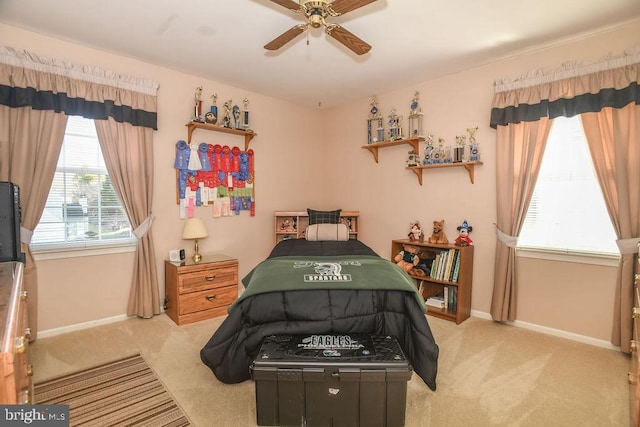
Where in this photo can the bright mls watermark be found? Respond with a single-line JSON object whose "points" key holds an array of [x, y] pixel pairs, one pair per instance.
{"points": [[34, 415]]}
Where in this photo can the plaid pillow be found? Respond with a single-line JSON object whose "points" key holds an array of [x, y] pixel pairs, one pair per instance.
{"points": [[324, 217]]}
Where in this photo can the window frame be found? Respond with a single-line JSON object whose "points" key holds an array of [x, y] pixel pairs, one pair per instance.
{"points": [[67, 249], [574, 255]]}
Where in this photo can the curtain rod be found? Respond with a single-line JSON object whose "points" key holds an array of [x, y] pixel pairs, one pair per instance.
{"points": [[568, 70], [31, 61]]}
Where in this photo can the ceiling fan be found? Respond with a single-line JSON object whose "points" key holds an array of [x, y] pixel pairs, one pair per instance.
{"points": [[316, 11]]}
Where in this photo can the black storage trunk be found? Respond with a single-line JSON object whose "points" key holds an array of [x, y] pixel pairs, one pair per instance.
{"points": [[10, 217], [331, 380]]}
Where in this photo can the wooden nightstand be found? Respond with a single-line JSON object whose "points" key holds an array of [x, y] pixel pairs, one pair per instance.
{"points": [[200, 291]]}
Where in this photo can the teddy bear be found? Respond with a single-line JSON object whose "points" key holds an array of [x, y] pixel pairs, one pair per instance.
{"points": [[408, 257], [463, 238], [438, 235], [416, 234]]}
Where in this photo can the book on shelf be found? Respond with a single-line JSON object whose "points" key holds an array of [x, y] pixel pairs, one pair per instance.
{"points": [[456, 261], [436, 300], [456, 269], [445, 265], [447, 291], [453, 298], [434, 266], [450, 258], [443, 261]]}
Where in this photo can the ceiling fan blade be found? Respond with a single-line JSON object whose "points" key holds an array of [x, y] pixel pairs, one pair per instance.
{"points": [[285, 37], [289, 4], [344, 6], [347, 38]]}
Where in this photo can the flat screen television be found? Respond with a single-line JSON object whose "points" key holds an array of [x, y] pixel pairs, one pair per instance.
{"points": [[10, 219]]}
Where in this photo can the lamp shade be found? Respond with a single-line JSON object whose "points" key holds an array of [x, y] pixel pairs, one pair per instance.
{"points": [[194, 229]]}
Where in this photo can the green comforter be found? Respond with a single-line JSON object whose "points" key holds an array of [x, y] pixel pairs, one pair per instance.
{"points": [[292, 273]]}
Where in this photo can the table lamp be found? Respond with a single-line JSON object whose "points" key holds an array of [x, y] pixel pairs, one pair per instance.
{"points": [[193, 230]]}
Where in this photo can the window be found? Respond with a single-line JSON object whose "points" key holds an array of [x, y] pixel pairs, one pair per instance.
{"points": [[567, 211], [82, 208]]}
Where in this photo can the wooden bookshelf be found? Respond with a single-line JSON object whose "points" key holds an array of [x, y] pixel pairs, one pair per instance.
{"points": [[431, 286]]}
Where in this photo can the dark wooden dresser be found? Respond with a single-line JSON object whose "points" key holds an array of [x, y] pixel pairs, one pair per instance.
{"points": [[16, 387]]}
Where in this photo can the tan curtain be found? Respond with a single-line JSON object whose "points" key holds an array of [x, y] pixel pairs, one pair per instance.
{"points": [[519, 149], [27, 79], [613, 136], [128, 154], [607, 96], [30, 142]]}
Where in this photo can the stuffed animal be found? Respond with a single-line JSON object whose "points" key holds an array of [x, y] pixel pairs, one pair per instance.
{"points": [[463, 238], [438, 235], [416, 233], [285, 225], [407, 258]]}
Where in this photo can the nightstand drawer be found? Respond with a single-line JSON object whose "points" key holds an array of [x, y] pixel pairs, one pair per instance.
{"points": [[208, 299], [199, 291], [207, 279]]}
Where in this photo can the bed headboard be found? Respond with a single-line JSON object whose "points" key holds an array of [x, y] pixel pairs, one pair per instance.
{"points": [[292, 224]]}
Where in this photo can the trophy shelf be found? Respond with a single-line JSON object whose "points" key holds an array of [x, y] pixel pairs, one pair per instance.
{"points": [[469, 166], [248, 136], [413, 142]]}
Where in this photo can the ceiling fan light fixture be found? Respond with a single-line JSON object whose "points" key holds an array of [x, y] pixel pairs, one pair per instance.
{"points": [[316, 20]]}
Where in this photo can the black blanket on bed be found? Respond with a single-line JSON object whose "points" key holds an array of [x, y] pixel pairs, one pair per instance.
{"points": [[233, 347]]}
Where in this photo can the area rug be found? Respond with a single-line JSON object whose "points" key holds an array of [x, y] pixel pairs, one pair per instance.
{"points": [[124, 392]]}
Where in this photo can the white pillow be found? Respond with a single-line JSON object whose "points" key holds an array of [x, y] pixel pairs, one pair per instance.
{"points": [[318, 232]]}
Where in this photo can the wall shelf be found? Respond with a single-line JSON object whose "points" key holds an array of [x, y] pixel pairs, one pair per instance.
{"points": [[248, 136], [413, 142], [469, 166]]}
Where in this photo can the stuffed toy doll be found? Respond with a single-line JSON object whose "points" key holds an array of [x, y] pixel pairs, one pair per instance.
{"points": [[463, 238], [407, 258], [416, 234]]}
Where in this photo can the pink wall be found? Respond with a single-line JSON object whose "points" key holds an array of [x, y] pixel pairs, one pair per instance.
{"points": [[292, 148], [568, 297], [72, 291]]}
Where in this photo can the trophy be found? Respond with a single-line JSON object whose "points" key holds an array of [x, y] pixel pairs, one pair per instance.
{"points": [[245, 115], [412, 160], [415, 118], [236, 117], [428, 151], [226, 119], [474, 150], [447, 154], [374, 120], [458, 154], [197, 105], [212, 116], [438, 153], [395, 126]]}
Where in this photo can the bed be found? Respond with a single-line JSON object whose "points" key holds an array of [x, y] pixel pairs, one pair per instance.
{"points": [[308, 287]]}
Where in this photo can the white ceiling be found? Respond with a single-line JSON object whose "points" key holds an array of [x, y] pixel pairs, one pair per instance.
{"points": [[413, 40]]}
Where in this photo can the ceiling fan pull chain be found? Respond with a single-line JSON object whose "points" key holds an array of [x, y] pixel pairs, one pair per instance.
{"points": [[307, 38]]}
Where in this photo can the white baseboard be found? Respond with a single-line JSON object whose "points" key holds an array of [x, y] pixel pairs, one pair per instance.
{"points": [[80, 326], [551, 331]]}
